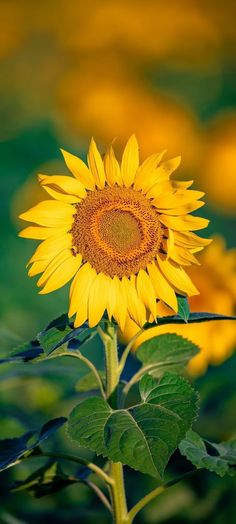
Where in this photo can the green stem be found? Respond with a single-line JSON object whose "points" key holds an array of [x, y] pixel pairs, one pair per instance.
{"points": [[78, 460], [145, 500], [117, 489], [100, 494], [127, 350], [155, 493], [87, 362]]}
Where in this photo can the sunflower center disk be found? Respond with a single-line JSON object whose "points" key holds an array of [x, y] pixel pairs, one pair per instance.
{"points": [[117, 230]]}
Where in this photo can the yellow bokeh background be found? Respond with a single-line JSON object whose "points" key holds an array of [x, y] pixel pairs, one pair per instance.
{"points": [[164, 70]]}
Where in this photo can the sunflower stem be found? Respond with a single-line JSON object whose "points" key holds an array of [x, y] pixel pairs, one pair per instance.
{"points": [[127, 350], [117, 488]]}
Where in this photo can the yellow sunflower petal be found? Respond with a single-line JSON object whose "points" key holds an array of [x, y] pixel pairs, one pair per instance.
{"points": [[170, 242], [62, 274], [38, 267], [168, 167], [183, 257], [184, 223], [38, 233], [50, 213], [130, 161], [183, 210], [64, 187], [165, 186], [112, 168], [179, 184], [70, 199], [53, 265], [159, 189], [96, 165], [146, 291], [53, 245], [163, 289], [120, 311], [143, 178], [177, 277], [79, 293], [97, 301], [79, 169], [111, 298], [136, 307], [163, 310], [177, 198], [189, 239]]}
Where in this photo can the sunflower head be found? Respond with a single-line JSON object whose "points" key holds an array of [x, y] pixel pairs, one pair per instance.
{"points": [[122, 231]]}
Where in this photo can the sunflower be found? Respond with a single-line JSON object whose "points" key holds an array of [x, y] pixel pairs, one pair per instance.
{"points": [[217, 286], [122, 232]]}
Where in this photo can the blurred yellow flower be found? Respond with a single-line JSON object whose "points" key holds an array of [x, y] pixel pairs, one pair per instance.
{"points": [[141, 29], [216, 282], [11, 27], [218, 167], [106, 100], [122, 232]]}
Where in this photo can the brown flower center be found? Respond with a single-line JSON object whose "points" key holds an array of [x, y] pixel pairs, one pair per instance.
{"points": [[117, 230]]}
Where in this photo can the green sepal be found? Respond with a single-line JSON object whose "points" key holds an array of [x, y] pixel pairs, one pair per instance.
{"points": [[183, 307]]}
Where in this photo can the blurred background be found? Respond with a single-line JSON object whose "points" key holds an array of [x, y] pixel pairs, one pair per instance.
{"points": [[166, 71]]}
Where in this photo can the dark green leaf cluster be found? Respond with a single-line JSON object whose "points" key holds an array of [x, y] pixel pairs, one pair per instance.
{"points": [[140, 425]]}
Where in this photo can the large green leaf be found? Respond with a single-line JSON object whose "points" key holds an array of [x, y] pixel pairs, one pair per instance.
{"points": [[143, 436], [218, 458], [168, 351]]}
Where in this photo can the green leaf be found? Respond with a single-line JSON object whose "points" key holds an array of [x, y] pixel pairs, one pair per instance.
{"points": [[198, 452], [183, 308], [143, 436], [45, 481], [89, 382], [13, 450], [60, 332], [23, 353], [169, 351], [193, 318], [52, 337]]}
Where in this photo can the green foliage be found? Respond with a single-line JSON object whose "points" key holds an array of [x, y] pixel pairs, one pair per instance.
{"points": [[12, 451], [45, 481], [143, 436], [54, 334], [60, 332], [89, 382], [183, 307], [218, 458], [166, 352], [23, 353], [192, 319]]}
